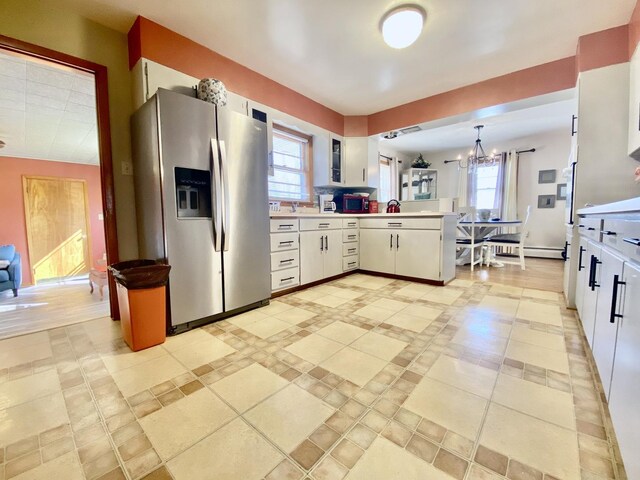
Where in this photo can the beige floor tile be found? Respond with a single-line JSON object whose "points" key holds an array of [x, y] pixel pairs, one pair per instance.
{"points": [[445, 295], [178, 426], [266, 328], [354, 365], [275, 307], [414, 290], [249, 386], [178, 342], [379, 346], [410, 322], [461, 283], [538, 356], [342, 332], [331, 301], [295, 315], [205, 351], [308, 295], [26, 348], [542, 445], [289, 416], [464, 375], [374, 313], [28, 388], [502, 306], [483, 325], [448, 406], [505, 289], [522, 333], [480, 341], [542, 294], [32, 417], [140, 377], [537, 400], [384, 460], [387, 304], [65, 466], [235, 451], [248, 318], [339, 292], [539, 312], [314, 348], [126, 358], [102, 330], [422, 311], [374, 283]]}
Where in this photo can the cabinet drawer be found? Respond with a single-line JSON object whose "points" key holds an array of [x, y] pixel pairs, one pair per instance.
{"points": [[402, 223], [282, 260], [350, 263], [350, 223], [284, 241], [284, 225], [320, 224], [350, 249], [285, 279], [590, 228], [350, 235]]}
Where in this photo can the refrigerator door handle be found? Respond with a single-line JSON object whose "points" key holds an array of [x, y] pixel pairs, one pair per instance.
{"points": [[217, 187], [225, 192]]}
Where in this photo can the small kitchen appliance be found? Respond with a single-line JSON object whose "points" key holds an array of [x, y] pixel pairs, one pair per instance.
{"points": [[351, 203], [393, 206], [326, 204]]}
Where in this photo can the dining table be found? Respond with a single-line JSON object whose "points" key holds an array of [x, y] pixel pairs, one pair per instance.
{"points": [[480, 230]]}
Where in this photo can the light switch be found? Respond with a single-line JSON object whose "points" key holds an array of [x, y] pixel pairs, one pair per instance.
{"points": [[127, 168], [100, 217]]}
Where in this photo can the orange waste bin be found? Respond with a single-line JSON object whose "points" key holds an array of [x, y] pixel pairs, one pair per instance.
{"points": [[141, 292]]}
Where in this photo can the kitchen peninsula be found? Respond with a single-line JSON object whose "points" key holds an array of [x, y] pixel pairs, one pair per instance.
{"points": [[311, 248]]}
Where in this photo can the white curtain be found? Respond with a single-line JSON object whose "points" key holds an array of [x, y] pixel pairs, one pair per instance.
{"points": [[465, 184], [498, 199], [510, 190]]}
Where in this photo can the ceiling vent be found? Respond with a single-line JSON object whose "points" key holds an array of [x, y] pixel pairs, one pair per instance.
{"points": [[413, 129]]}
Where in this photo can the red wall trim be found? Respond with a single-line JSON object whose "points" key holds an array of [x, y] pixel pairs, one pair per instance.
{"points": [[356, 126], [538, 80], [604, 48], [634, 29]]}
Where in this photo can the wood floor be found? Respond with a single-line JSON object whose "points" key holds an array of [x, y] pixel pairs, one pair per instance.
{"points": [[540, 273], [49, 306]]}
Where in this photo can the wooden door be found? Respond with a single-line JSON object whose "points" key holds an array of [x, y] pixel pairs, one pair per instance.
{"points": [[56, 213]]}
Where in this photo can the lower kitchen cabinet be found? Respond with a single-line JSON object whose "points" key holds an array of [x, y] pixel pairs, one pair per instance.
{"points": [[591, 286], [320, 255], [376, 251]]}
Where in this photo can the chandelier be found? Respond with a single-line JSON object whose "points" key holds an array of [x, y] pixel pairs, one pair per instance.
{"points": [[476, 156]]}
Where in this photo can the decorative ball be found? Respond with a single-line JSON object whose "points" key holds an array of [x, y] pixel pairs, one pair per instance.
{"points": [[213, 91]]}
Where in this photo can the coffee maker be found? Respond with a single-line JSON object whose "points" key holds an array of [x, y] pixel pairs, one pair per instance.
{"points": [[326, 203]]}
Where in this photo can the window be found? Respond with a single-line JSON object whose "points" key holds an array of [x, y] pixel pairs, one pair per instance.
{"points": [[291, 179], [486, 186], [385, 192]]}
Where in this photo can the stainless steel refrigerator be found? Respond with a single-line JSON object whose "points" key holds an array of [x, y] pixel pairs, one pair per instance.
{"points": [[200, 175]]}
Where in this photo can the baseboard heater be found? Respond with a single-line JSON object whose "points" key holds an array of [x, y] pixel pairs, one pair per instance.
{"points": [[537, 252]]}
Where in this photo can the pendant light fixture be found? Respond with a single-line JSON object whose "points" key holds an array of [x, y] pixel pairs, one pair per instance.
{"points": [[402, 26], [476, 155]]}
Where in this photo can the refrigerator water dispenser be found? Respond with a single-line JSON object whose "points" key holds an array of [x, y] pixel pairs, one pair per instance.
{"points": [[193, 192]]}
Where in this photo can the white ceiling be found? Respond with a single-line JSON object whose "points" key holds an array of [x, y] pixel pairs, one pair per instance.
{"points": [[47, 111], [332, 50], [497, 130]]}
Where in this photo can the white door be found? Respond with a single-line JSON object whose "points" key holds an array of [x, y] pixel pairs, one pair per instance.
{"points": [[311, 256], [604, 337], [625, 383], [332, 253], [377, 250], [418, 253], [582, 278], [591, 289]]}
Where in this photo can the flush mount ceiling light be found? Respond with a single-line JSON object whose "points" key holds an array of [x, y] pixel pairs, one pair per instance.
{"points": [[2, 144], [402, 26]]}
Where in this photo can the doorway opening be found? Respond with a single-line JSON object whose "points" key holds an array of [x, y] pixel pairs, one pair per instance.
{"points": [[59, 230]]}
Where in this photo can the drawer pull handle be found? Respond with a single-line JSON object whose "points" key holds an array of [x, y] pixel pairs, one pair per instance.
{"points": [[633, 241], [280, 227], [590, 229], [351, 263], [580, 226], [609, 232], [287, 279], [288, 242], [398, 224], [351, 250], [351, 236], [288, 260]]}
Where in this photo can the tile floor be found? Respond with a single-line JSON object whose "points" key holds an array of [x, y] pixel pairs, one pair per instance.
{"points": [[361, 378]]}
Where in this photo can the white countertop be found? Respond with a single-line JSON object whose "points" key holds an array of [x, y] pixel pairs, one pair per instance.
{"points": [[625, 206], [360, 215]]}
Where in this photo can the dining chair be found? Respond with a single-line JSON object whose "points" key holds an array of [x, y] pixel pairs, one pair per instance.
{"points": [[467, 235], [510, 240]]}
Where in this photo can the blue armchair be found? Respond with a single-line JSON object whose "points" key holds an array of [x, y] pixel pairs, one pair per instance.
{"points": [[11, 274]]}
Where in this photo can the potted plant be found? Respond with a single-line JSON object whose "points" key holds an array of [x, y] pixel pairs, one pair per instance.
{"points": [[420, 162]]}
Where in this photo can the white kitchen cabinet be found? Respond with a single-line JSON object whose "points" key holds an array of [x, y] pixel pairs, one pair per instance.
{"points": [[328, 160], [591, 288], [583, 273], [356, 161], [376, 250], [320, 255], [625, 382], [414, 258], [285, 254], [606, 326]]}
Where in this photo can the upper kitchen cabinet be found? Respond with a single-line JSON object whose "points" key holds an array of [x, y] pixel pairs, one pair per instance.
{"points": [[361, 162], [328, 160], [634, 106]]}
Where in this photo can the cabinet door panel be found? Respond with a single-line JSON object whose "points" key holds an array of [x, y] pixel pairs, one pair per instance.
{"points": [[311, 256], [333, 253], [625, 383], [356, 161], [593, 268], [377, 250], [604, 337], [582, 277], [418, 253]]}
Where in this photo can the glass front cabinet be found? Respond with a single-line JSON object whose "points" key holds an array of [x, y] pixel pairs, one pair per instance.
{"points": [[419, 184], [336, 160]]}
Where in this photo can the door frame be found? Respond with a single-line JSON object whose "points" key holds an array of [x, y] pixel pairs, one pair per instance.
{"points": [[27, 214], [104, 143]]}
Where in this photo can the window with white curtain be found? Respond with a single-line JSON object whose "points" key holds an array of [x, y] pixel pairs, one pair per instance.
{"points": [[384, 192], [291, 179], [486, 186]]}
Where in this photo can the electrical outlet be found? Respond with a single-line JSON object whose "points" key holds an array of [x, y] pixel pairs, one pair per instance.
{"points": [[127, 168]]}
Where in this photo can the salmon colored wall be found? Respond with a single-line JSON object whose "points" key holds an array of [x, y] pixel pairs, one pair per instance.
{"points": [[634, 29], [157, 43], [12, 218], [356, 126], [604, 48]]}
